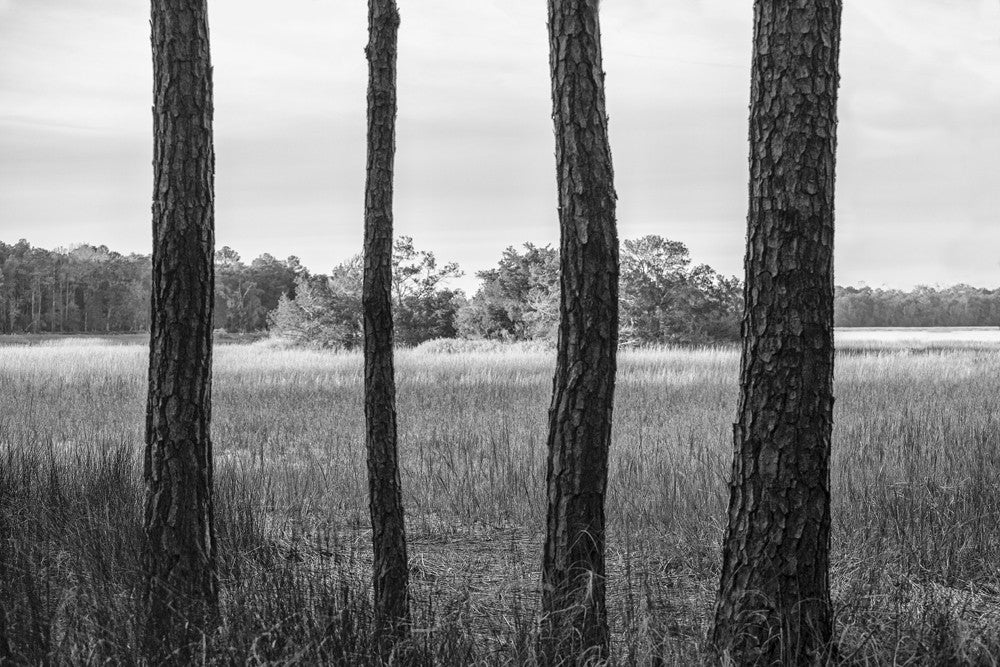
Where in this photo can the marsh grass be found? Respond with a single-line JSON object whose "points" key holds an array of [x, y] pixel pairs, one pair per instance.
{"points": [[915, 476]]}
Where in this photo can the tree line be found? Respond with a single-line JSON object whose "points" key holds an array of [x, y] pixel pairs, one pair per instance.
{"points": [[773, 604], [664, 297], [84, 289], [91, 289], [923, 306]]}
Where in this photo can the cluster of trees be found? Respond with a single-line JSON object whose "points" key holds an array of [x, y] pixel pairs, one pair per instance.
{"points": [[956, 306], [80, 289], [246, 294], [88, 288], [326, 310], [664, 299], [91, 289]]}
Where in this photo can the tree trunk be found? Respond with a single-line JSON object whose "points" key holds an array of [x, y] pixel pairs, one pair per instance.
{"points": [[55, 301], [774, 601], [390, 570], [574, 622], [34, 316], [180, 553]]}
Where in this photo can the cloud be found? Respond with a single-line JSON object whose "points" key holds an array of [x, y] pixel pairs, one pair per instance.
{"points": [[917, 163]]}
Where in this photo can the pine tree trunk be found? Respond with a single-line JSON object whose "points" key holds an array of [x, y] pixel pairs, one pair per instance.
{"points": [[180, 553], [574, 622], [390, 569], [774, 602], [55, 302]]}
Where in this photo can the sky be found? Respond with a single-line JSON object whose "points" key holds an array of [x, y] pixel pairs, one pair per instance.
{"points": [[918, 189]]}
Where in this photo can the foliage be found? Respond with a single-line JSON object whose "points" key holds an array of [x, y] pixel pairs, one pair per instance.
{"points": [[244, 295], [326, 311], [956, 306], [91, 289], [81, 289], [665, 300], [518, 300], [423, 308]]}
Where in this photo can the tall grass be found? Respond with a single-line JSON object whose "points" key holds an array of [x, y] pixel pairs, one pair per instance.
{"points": [[915, 479]]}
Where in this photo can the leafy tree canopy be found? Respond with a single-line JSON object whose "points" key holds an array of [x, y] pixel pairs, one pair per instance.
{"points": [[327, 309]]}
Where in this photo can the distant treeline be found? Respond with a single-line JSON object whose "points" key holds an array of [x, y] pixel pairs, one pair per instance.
{"points": [[83, 289], [957, 306], [91, 289], [665, 299]]}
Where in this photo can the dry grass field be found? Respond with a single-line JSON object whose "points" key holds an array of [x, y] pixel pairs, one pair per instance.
{"points": [[915, 479]]}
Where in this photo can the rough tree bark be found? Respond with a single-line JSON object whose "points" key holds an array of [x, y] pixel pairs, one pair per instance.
{"points": [[774, 600], [180, 553], [574, 621], [391, 575]]}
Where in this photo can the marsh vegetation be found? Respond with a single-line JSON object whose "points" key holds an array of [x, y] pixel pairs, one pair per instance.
{"points": [[914, 485]]}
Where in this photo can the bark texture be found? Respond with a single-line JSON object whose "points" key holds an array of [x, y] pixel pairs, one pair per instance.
{"points": [[574, 621], [391, 574], [774, 601], [180, 553]]}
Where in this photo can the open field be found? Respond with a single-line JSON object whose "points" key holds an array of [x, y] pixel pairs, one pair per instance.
{"points": [[916, 481], [917, 339]]}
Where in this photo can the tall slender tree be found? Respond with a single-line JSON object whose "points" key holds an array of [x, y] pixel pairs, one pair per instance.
{"points": [[774, 600], [385, 496], [574, 621], [180, 556]]}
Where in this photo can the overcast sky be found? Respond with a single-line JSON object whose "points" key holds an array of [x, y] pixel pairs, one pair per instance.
{"points": [[918, 197]]}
